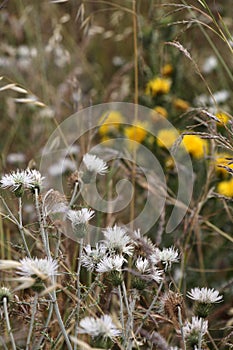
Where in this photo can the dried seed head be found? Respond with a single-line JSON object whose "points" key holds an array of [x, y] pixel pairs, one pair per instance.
{"points": [[170, 304], [74, 177]]}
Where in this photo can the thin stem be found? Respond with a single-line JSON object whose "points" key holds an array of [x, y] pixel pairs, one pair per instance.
{"points": [[56, 253], [125, 297], [200, 334], [122, 313], [32, 320], [130, 323], [135, 45], [70, 317], [42, 230], [74, 194], [150, 308], [58, 314], [50, 313], [61, 324], [78, 290], [212, 341], [21, 229], [8, 323], [181, 327]]}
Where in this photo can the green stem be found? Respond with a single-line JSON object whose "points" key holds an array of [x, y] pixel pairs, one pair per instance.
{"points": [[42, 230], [32, 321], [8, 323], [78, 291], [21, 229], [50, 313], [150, 308], [60, 322], [181, 327], [200, 335], [122, 313]]}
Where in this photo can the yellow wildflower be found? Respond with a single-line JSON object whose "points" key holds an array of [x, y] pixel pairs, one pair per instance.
{"points": [[136, 132], [221, 159], [181, 104], [225, 188], [166, 137], [158, 86], [169, 163], [167, 69], [195, 146], [161, 111], [110, 122], [223, 118]]}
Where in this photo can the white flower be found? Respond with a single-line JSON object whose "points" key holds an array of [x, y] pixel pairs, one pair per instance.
{"points": [[220, 96], [92, 256], [79, 220], [156, 275], [110, 263], [36, 178], [95, 164], [209, 64], [99, 327], [205, 295], [195, 327], [81, 216], [155, 257], [13, 158], [142, 265], [168, 256], [42, 268], [62, 165], [16, 180], [117, 240]]}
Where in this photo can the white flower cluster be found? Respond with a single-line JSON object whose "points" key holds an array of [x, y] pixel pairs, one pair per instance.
{"points": [[79, 220], [111, 254], [99, 327], [195, 327], [92, 256], [42, 268], [95, 164], [205, 295], [117, 240], [81, 216], [147, 271], [22, 179], [167, 256]]}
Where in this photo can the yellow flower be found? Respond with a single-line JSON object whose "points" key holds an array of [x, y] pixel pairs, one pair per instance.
{"points": [[225, 188], [223, 118], [167, 69], [221, 159], [169, 163], [110, 122], [181, 104], [136, 132], [158, 86], [195, 146], [161, 111], [167, 137]]}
